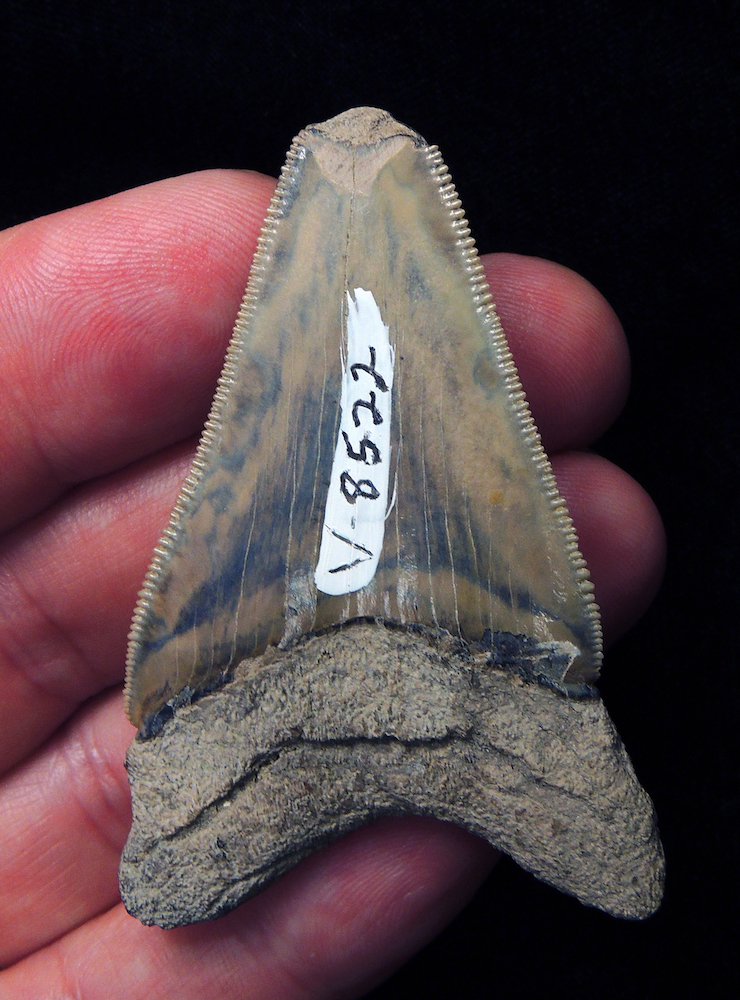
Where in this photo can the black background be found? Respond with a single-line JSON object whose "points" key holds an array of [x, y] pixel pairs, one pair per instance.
{"points": [[601, 135]]}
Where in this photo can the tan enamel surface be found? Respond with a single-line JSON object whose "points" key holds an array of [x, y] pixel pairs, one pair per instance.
{"points": [[473, 541]]}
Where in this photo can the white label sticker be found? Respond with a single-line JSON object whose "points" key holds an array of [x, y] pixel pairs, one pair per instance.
{"points": [[354, 519]]}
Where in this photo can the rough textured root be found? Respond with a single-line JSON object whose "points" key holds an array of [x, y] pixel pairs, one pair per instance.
{"points": [[368, 721]]}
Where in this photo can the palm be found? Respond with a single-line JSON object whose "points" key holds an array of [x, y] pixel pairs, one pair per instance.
{"points": [[116, 317]]}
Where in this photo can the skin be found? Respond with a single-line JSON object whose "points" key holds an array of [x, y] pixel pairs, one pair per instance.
{"points": [[115, 318]]}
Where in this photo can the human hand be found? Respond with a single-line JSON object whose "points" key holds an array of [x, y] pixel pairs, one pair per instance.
{"points": [[115, 319]]}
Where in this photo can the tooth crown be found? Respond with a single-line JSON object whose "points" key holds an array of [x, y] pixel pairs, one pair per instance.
{"points": [[476, 541]]}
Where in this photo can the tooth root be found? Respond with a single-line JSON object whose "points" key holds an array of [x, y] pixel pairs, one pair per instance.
{"points": [[371, 721], [447, 516]]}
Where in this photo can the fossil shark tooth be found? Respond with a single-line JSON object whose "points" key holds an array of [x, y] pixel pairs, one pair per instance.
{"points": [[370, 572]]}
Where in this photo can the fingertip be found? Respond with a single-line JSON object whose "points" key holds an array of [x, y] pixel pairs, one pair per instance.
{"points": [[621, 536], [367, 902], [568, 344], [121, 310]]}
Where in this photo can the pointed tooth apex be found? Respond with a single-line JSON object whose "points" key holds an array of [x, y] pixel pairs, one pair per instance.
{"points": [[369, 451]]}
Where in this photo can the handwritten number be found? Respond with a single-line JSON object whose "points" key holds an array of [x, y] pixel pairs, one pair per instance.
{"points": [[365, 445], [370, 369], [362, 488], [353, 545], [352, 533], [377, 418], [350, 488]]}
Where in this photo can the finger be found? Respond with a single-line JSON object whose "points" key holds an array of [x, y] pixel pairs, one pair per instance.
{"points": [[568, 345], [66, 815], [116, 316], [68, 584], [115, 320], [411, 877], [337, 924], [68, 581], [620, 534], [94, 743]]}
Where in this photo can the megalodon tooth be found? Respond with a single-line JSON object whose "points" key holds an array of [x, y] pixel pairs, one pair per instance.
{"points": [[369, 575]]}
